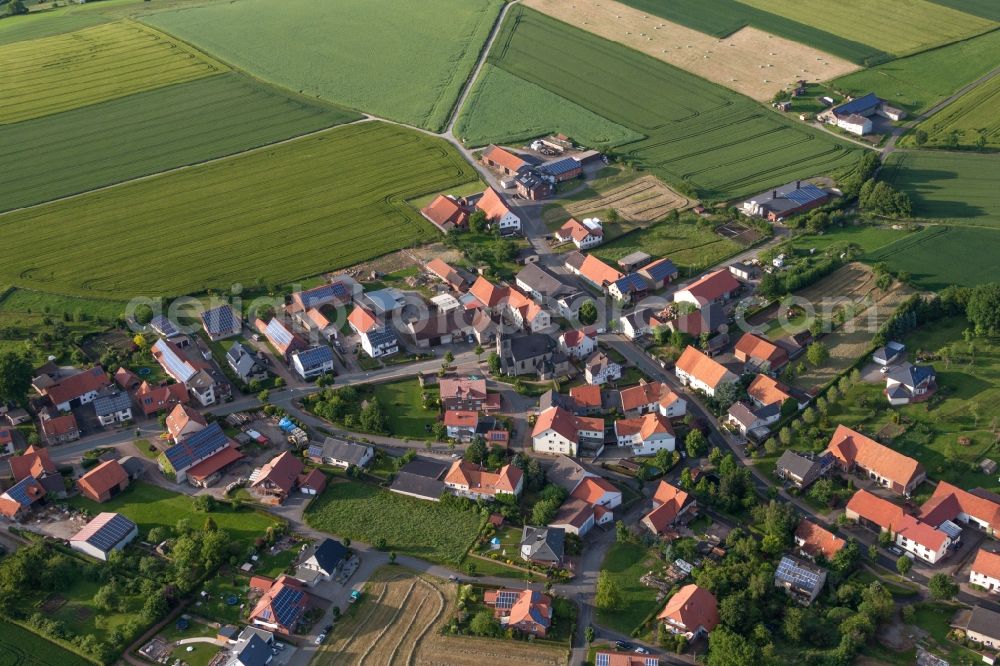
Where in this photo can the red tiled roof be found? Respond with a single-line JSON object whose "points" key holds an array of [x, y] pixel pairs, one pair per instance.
{"points": [[586, 395], [179, 418], [154, 398], [767, 390], [460, 418], [654, 423], [531, 607], [702, 367], [850, 448], [625, 659], [481, 480], [59, 425], [214, 463], [818, 540], [443, 271], [948, 501], [599, 272], [282, 471], [261, 583], [758, 348], [488, 293], [882, 512], [76, 385], [125, 378], [103, 478], [462, 388], [445, 210], [713, 286], [504, 158], [35, 462], [645, 393], [987, 563], [314, 479], [558, 419], [492, 204], [592, 489], [362, 320], [692, 607], [9, 508], [920, 532]]}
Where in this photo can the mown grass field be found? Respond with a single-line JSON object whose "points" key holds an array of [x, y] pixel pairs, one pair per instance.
{"points": [[691, 247], [151, 506], [866, 237], [63, 72], [509, 109], [721, 18], [942, 255], [404, 61], [948, 185], [723, 144], [365, 512], [148, 132], [627, 563], [985, 8], [917, 82], [281, 213], [404, 409], [973, 119], [20, 647], [901, 27]]}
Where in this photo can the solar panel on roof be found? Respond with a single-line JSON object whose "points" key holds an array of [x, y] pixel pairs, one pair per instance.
{"points": [[381, 337], [278, 334], [661, 270], [315, 356], [323, 294], [163, 326], [176, 366], [602, 659], [197, 447], [805, 194], [790, 571], [220, 320], [286, 605], [111, 533], [506, 599], [19, 491]]}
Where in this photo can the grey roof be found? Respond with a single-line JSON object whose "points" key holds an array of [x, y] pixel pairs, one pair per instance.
{"points": [[743, 413], [634, 258], [891, 350], [339, 449], [544, 543], [741, 267], [984, 621], [768, 412], [574, 259], [415, 484], [385, 300], [164, 326], [543, 282], [111, 403], [241, 360], [532, 345], [553, 399], [911, 375], [428, 467], [862, 106], [559, 167], [796, 464], [790, 196], [329, 555], [446, 323], [132, 465]]}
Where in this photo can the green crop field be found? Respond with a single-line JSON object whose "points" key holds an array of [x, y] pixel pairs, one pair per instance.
{"points": [[25, 301], [424, 529], [722, 143], [942, 255], [901, 27], [406, 61], [971, 120], [79, 150], [724, 17], [284, 212], [691, 247], [510, 109], [20, 647], [919, 81], [989, 9], [43, 76], [951, 186]]}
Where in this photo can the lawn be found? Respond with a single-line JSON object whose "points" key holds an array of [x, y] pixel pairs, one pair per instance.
{"points": [[20, 647], [274, 215], [201, 653], [219, 588], [367, 513], [273, 566], [150, 506], [866, 238], [403, 61], [900, 27], [935, 619], [721, 18], [63, 72], [404, 408], [697, 134], [954, 186], [82, 617], [627, 562], [942, 256], [149, 132], [690, 246], [970, 121], [919, 81]]}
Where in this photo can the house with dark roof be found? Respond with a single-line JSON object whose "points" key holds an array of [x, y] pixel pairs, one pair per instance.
{"points": [[282, 338], [422, 478], [889, 354], [245, 363], [113, 406], [221, 322], [639, 322], [546, 288], [333, 294], [323, 564], [659, 273], [600, 369], [543, 545], [906, 383], [802, 469], [800, 579], [200, 457], [282, 607], [313, 362], [562, 169], [103, 482], [783, 202], [250, 651], [531, 353], [275, 481], [106, 533], [983, 627], [752, 421], [341, 453], [628, 288]]}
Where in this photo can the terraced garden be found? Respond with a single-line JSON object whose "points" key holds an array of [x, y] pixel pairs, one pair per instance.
{"points": [[148, 132], [959, 187], [63, 72], [404, 61], [285, 212], [721, 143]]}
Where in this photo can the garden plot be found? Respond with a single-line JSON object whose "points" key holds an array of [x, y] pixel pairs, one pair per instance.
{"points": [[645, 199], [749, 61]]}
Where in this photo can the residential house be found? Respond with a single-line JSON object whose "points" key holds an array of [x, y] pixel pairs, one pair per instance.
{"points": [[282, 338], [154, 399], [813, 541], [801, 580], [696, 369], [802, 469], [652, 397], [103, 482], [221, 322], [558, 431], [646, 435], [532, 185], [446, 213], [78, 389], [760, 355], [446, 274], [526, 611], [421, 478], [6, 442], [532, 353], [250, 650], [498, 213], [751, 421], [467, 393], [103, 535], [163, 327], [503, 160], [591, 502], [126, 379], [465, 479], [59, 429], [384, 301], [908, 383], [200, 457], [461, 424], [671, 506], [659, 273], [441, 329], [341, 453], [311, 482], [692, 612], [765, 391], [978, 508], [911, 534], [17, 502], [282, 606], [983, 627], [600, 369], [377, 339], [641, 321], [543, 545], [315, 322], [522, 312], [549, 290], [245, 364], [597, 273], [783, 202], [628, 288], [584, 235], [313, 362], [36, 463], [710, 319], [335, 294], [324, 563], [578, 343], [716, 287], [597, 491], [586, 399], [275, 481], [113, 406], [742, 271], [887, 467], [190, 372], [892, 352], [183, 421], [985, 571], [624, 659]]}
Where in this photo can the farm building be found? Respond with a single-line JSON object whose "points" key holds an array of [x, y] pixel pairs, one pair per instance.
{"points": [[887, 467], [785, 201], [561, 170], [275, 481], [69, 392], [446, 213], [593, 270], [759, 354], [628, 288], [103, 482], [532, 186], [200, 457], [715, 287], [742, 271], [659, 273], [421, 478], [503, 160], [103, 535], [911, 534], [855, 115], [446, 274]]}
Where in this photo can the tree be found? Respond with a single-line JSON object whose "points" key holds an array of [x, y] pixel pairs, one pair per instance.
{"points": [[380, 543], [449, 357], [904, 564], [15, 7], [817, 354], [983, 309], [15, 377], [622, 534], [476, 451], [493, 361], [942, 587], [143, 314], [884, 538], [727, 394], [204, 503], [822, 491], [484, 623], [727, 648], [920, 137], [845, 558], [107, 597], [695, 444], [372, 418], [544, 511], [478, 222], [589, 634], [392, 557], [588, 313], [608, 595], [478, 351], [794, 624]]}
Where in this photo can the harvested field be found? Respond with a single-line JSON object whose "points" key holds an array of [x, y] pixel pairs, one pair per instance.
{"points": [[645, 199], [44, 76], [399, 621], [749, 61]]}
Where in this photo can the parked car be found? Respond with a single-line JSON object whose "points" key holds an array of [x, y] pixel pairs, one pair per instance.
{"points": [[319, 639], [623, 645], [355, 595], [895, 550], [328, 629], [641, 650]]}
